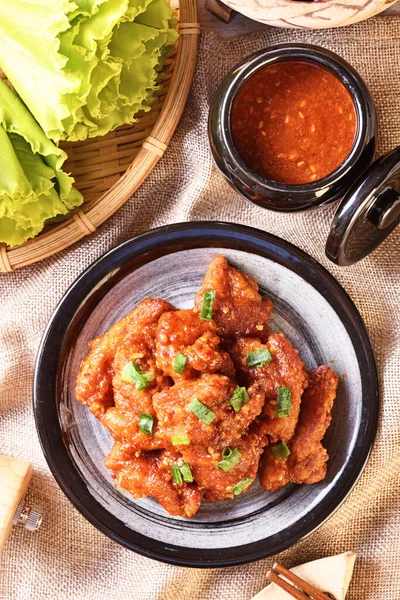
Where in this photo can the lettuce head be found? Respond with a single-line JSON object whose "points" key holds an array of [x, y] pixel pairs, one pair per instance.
{"points": [[33, 186], [84, 67]]}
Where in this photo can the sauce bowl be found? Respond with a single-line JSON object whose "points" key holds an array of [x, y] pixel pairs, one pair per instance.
{"points": [[281, 196]]}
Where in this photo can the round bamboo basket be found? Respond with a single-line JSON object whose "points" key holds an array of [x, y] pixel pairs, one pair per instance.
{"points": [[109, 169]]}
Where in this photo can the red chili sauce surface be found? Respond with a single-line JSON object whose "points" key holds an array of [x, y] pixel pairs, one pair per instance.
{"points": [[293, 122]]}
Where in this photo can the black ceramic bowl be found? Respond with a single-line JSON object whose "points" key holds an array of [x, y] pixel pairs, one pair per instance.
{"points": [[279, 196], [310, 308]]}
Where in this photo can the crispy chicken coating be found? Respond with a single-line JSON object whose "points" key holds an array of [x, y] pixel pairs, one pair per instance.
{"points": [[238, 307], [308, 458], [273, 471], [122, 420], [284, 370], [94, 381], [215, 483], [214, 391], [149, 474], [183, 332]]}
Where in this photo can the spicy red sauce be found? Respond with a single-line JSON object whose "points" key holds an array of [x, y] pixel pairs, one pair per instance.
{"points": [[293, 122]]}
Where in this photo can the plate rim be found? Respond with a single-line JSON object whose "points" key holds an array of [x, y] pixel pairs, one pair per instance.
{"points": [[111, 267]]}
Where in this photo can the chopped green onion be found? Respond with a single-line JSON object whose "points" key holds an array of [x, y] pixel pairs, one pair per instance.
{"points": [[179, 363], [146, 423], [227, 453], [202, 411], [133, 374], [231, 458], [284, 403], [186, 473], [259, 357], [242, 485], [180, 440], [181, 473], [176, 474], [207, 306], [239, 398], [280, 450]]}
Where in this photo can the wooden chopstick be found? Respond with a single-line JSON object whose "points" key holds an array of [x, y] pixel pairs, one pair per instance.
{"points": [[287, 587], [277, 570]]}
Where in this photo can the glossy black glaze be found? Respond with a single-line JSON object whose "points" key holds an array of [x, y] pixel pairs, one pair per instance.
{"points": [[368, 213], [76, 306], [277, 196]]}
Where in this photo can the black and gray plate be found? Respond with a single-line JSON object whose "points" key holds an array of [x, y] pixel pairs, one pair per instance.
{"points": [[312, 310]]}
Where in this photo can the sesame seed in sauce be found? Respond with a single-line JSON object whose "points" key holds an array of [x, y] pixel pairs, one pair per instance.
{"points": [[310, 99]]}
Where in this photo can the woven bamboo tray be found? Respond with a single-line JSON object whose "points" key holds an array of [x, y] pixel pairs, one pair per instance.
{"points": [[109, 169]]}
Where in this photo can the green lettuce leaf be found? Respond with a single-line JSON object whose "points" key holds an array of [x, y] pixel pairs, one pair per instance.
{"points": [[33, 186], [88, 66]]}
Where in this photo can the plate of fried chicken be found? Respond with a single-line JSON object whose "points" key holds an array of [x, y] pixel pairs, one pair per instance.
{"points": [[206, 394]]}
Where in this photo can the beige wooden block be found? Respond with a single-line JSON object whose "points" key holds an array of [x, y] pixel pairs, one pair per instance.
{"points": [[15, 476]]}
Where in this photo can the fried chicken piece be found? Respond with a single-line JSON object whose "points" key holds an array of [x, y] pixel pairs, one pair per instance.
{"points": [[285, 370], [148, 474], [94, 381], [124, 427], [183, 332], [214, 391], [122, 420], [308, 458], [139, 348], [273, 472], [215, 483], [238, 307]]}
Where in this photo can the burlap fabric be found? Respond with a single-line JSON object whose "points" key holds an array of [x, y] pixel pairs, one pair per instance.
{"points": [[70, 559]]}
